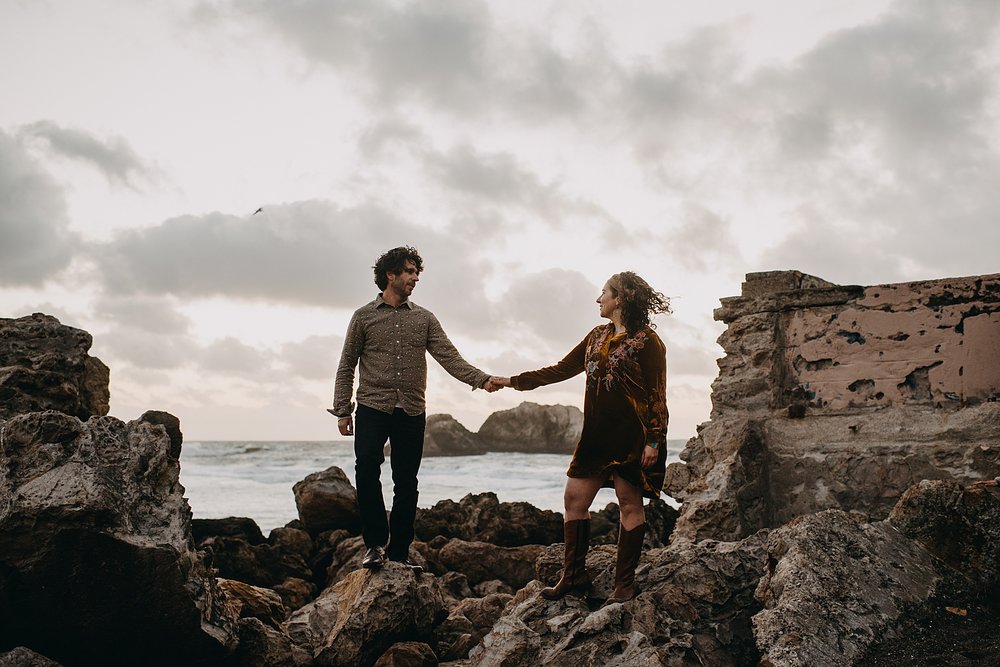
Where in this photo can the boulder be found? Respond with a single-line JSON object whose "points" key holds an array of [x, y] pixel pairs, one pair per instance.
{"points": [[261, 645], [327, 500], [295, 593], [240, 527], [959, 525], [957, 624], [455, 587], [23, 657], [481, 561], [259, 564], [44, 365], [408, 654], [246, 601], [445, 436], [97, 561], [533, 428], [482, 517], [355, 621], [835, 584]]}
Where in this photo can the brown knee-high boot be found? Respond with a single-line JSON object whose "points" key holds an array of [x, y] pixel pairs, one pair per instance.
{"points": [[574, 577], [629, 550]]}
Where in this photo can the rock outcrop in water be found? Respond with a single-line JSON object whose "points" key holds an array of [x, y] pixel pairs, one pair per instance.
{"points": [[530, 428]]}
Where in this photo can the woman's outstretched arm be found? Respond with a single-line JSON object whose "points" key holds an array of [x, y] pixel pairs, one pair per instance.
{"points": [[569, 366]]}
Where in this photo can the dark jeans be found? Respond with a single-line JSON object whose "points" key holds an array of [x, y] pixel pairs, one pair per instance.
{"points": [[406, 441]]}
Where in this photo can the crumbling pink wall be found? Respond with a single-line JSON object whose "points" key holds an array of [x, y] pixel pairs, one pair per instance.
{"points": [[830, 348], [928, 342]]}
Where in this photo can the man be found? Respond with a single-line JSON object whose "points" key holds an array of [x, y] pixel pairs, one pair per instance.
{"points": [[389, 338]]}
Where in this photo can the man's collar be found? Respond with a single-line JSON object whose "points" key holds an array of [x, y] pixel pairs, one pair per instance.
{"points": [[379, 302]]}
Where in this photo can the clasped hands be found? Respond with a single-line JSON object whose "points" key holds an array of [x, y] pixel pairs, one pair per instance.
{"points": [[496, 383]]}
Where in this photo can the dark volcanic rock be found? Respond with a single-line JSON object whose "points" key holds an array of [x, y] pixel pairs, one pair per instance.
{"points": [[327, 500], [408, 654], [22, 657], [97, 563], [481, 562], [171, 424], [44, 365], [835, 584], [959, 525], [263, 646], [246, 601], [482, 517], [533, 428], [445, 436], [240, 527], [354, 622], [261, 564]]}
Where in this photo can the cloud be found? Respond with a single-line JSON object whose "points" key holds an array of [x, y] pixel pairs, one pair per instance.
{"points": [[429, 51], [314, 358], [35, 242], [157, 316], [146, 350], [232, 357], [114, 157], [690, 360], [704, 241], [556, 305], [453, 55], [310, 253], [887, 138]]}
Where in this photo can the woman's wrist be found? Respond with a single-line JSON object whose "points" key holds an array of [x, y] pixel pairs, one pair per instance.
{"points": [[653, 445]]}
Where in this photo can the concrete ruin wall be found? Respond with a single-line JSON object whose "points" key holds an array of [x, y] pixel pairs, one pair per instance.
{"points": [[842, 396]]}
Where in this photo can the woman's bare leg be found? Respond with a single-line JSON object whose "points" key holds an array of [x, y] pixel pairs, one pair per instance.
{"points": [[578, 496], [629, 503]]}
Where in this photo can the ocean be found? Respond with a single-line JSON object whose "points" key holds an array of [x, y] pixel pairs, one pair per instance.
{"points": [[255, 479]]}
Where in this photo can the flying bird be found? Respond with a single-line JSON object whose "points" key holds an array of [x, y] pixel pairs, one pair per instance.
{"points": [[258, 210]]}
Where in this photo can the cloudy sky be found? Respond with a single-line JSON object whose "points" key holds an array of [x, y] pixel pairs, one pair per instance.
{"points": [[528, 148]]}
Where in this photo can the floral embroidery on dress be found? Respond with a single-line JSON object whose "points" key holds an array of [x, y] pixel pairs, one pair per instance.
{"points": [[617, 358]]}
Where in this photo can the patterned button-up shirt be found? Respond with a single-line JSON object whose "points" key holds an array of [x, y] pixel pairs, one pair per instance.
{"points": [[389, 346]]}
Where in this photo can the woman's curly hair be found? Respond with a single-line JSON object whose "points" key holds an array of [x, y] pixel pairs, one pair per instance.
{"points": [[637, 300], [394, 261]]}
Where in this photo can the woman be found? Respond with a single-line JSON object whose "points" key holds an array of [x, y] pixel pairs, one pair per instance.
{"points": [[624, 427]]}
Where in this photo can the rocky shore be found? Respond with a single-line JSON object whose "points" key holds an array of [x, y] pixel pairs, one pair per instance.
{"points": [[828, 518]]}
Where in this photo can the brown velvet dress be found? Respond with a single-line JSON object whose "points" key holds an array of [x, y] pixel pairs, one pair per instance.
{"points": [[625, 405]]}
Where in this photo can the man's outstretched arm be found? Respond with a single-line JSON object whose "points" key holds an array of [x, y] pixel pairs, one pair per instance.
{"points": [[445, 353]]}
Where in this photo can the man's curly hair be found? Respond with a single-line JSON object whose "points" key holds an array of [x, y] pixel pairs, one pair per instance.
{"points": [[638, 301], [394, 261]]}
